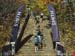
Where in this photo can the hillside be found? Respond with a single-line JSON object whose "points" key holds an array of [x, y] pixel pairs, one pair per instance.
{"points": [[65, 13]]}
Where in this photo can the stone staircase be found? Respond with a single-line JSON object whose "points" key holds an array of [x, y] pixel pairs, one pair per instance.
{"points": [[28, 49]]}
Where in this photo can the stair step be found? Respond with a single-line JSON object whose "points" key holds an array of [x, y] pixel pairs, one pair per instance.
{"points": [[28, 49]]}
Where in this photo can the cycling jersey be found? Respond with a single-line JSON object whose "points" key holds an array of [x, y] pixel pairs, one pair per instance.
{"points": [[37, 39]]}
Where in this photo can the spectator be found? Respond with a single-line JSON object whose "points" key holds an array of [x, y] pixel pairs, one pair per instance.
{"points": [[41, 17]]}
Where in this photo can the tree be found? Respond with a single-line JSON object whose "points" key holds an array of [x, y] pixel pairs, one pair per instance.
{"points": [[7, 16]]}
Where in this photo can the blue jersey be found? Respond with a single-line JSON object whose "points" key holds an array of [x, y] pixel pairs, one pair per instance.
{"points": [[37, 39]]}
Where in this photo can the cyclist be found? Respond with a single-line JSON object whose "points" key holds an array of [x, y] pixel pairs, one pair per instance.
{"points": [[38, 40]]}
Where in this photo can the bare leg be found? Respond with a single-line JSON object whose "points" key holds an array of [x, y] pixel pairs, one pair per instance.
{"points": [[36, 48]]}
